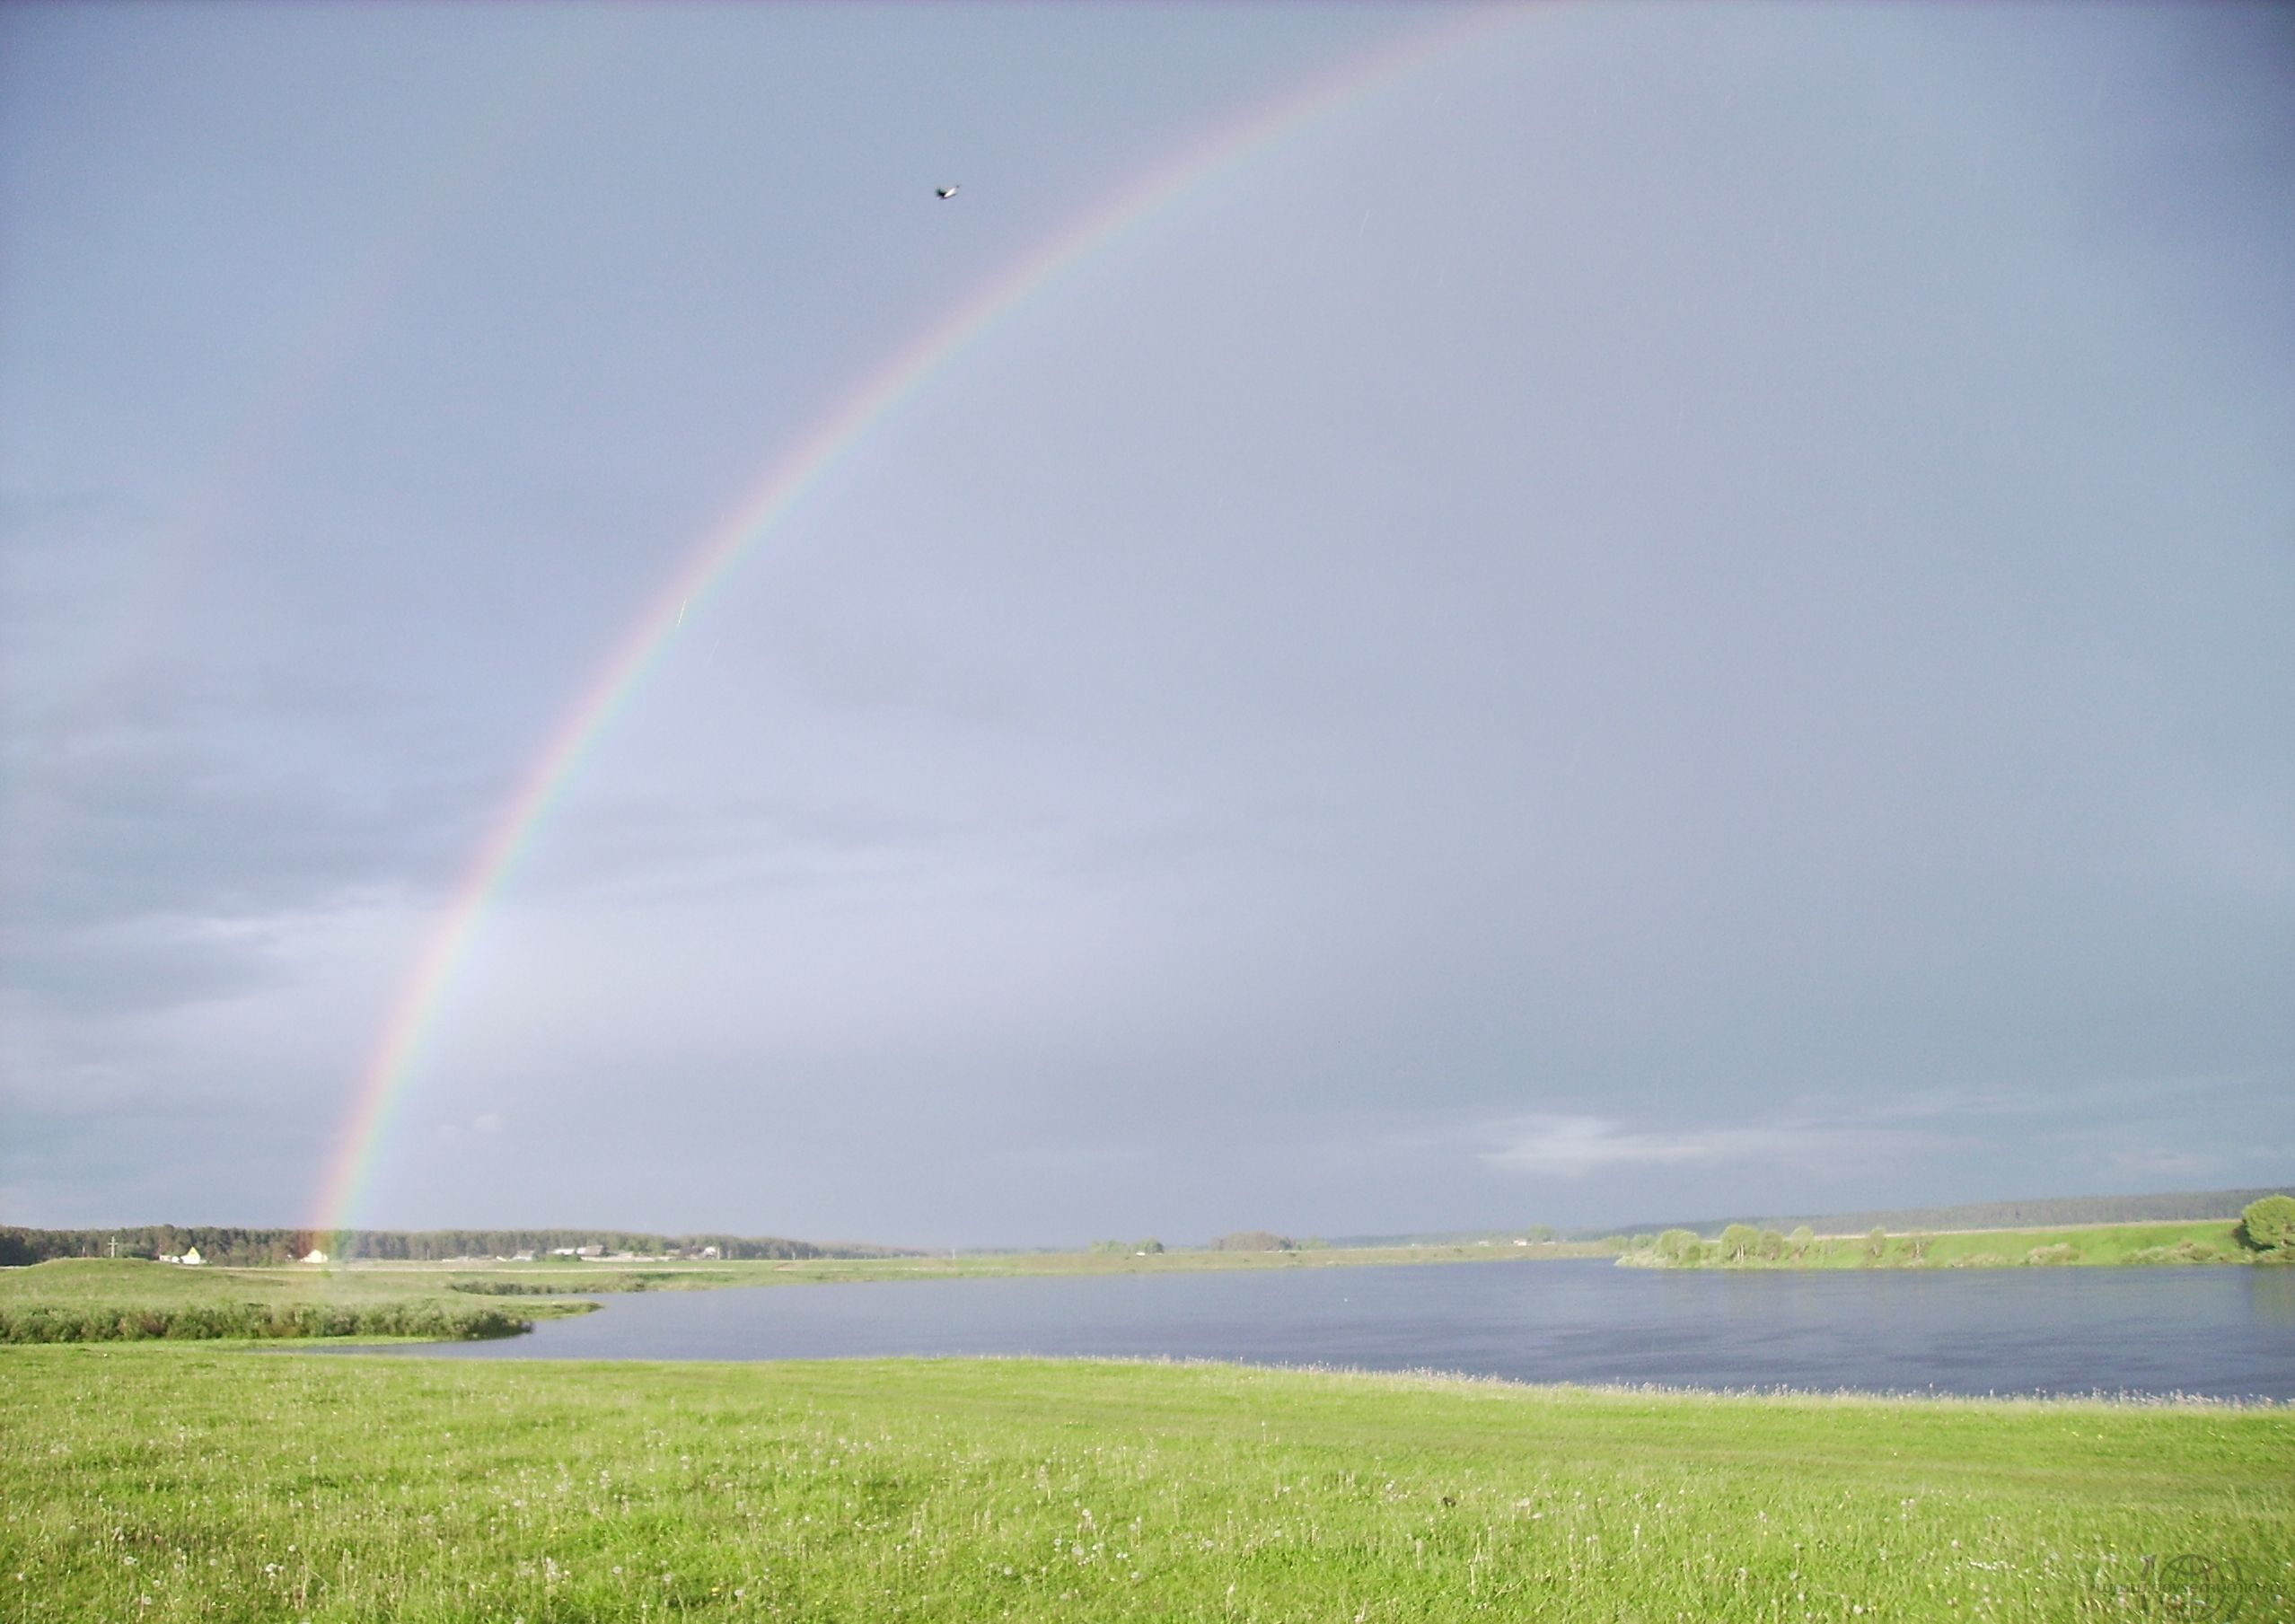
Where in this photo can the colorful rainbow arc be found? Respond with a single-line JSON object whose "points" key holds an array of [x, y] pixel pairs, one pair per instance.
{"points": [[383, 1083]]}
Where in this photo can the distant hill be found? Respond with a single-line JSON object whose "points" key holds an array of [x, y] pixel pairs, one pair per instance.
{"points": [[2046, 1213]]}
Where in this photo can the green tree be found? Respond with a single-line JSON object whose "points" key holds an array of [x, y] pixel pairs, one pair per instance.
{"points": [[1738, 1240], [1802, 1238], [1678, 1245], [1151, 1246], [1876, 1243], [1772, 1246], [2269, 1225]]}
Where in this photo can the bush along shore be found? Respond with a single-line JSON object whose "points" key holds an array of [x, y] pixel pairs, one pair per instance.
{"points": [[259, 1322], [2264, 1235]]}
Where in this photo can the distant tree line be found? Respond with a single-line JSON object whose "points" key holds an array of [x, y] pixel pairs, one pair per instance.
{"points": [[227, 1245], [1738, 1243], [2043, 1214], [2265, 1234], [1255, 1240]]}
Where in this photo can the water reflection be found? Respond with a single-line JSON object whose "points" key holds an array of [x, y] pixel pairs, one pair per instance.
{"points": [[2272, 1292]]}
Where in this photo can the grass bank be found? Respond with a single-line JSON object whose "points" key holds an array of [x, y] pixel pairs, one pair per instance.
{"points": [[2163, 1244], [99, 1300], [181, 1483]]}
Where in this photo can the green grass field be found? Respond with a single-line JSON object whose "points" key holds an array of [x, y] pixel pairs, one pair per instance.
{"points": [[157, 1483]]}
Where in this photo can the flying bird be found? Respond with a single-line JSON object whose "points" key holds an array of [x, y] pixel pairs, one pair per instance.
{"points": [[945, 192]]}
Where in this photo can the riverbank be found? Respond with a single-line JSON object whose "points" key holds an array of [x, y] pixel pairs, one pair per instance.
{"points": [[182, 1483], [2213, 1242]]}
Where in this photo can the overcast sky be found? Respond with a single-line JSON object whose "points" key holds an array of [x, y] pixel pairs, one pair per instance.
{"points": [[1677, 610]]}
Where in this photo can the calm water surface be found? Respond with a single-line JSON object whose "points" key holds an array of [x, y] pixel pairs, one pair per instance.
{"points": [[2225, 1332]]}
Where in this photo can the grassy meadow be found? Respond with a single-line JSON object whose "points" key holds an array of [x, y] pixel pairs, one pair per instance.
{"points": [[155, 1482]]}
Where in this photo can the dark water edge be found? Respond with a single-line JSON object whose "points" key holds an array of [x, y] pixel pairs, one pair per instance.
{"points": [[2223, 1333]]}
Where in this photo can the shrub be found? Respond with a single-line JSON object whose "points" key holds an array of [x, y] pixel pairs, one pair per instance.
{"points": [[1678, 1245], [2269, 1225], [1252, 1239], [2061, 1252]]}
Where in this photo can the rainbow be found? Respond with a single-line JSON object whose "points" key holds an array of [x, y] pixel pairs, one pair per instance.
{"points": [[712, 560]]}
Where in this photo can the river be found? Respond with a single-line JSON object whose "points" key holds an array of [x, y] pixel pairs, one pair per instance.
{"points": [[2222, 1332]]}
